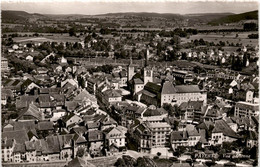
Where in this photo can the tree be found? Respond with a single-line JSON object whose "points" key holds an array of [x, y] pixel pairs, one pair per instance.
{"points": [[72, 31], [81, 152], [120, 162]]}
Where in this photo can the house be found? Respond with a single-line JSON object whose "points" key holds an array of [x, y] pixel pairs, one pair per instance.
{"points": [[153, 114], [246, 109], [181, 93], [182, 76], [144, 137], [222, 133], [57, 114], [111, 96], [4, 64], [32, 112], [7, 149], [191, 110], [95, 139], [178, 138], [66, 146], [116, 136], [71, 119], [107, 122]]}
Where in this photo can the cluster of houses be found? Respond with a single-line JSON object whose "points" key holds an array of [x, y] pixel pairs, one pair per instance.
{"points": [[58, 115]]}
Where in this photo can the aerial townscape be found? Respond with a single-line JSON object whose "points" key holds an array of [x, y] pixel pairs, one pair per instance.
{"points": [[129, 89]]}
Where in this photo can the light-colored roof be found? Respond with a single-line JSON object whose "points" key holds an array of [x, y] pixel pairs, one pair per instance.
{"points": [[168, 88]]}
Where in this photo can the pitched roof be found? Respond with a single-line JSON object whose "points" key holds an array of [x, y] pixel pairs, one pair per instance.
{"points": [[222, 127], [187, 89], [196, 105], [138, 81], [53, 144], [20, 136], [79, 162], [19, 148], [179, 135], [95, 135], [45, 125], [168, 88], [33, 111], [112, 93]]}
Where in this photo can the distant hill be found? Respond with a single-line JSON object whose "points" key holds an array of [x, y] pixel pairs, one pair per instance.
{"points": [[11, 16], [144, 14], [253, 15]]}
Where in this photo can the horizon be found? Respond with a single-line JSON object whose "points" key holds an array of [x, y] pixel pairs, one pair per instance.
{"points": [[105, 7]]}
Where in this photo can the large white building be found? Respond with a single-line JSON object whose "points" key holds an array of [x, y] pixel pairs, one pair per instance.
{"points": [[246, 109], [181, 93]]}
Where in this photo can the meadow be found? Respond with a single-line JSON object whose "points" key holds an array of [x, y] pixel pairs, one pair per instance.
{"points": [[224, 37]]}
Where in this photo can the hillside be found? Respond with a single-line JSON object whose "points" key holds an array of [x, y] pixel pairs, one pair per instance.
{"points": [[143, 14], [253, 15], [12, 16]]}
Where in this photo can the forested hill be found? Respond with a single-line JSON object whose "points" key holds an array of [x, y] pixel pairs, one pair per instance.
{"points": [[253, 15]]}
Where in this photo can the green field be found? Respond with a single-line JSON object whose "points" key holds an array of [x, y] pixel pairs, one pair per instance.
{"points": [[230, 37], [48, 37]]}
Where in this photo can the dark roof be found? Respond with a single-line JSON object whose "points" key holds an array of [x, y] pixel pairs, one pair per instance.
{"points": [[65, 140], [93, 125], [138, 81], [179, 135], [45, 125], [222, 127], [20, 136], [187, 88], [95, 135], [19, 148], [53, 144], [33, 111], [112, 93], [153, 88], [196, 105]]}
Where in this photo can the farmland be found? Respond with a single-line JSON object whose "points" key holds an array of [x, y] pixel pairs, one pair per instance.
{"points": [[224, 37], [48, 37]]}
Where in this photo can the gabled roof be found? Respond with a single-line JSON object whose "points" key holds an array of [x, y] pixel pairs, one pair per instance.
{"points": [[20, 136], [19, 148], [138, 81], [53, 144], [196, 105], [222, 127], [187, 89], [45, 125], [79, 162], [179, 135], [168, 88], [95, 135], [33, 111], [84, 95], [112, 93], [153, 87]]}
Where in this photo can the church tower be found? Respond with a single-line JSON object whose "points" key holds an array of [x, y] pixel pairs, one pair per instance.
{"points": [[130, 70], [148, 75]]}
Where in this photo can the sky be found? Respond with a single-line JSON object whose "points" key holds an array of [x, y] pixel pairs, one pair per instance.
{"points": [[93, 7]]}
